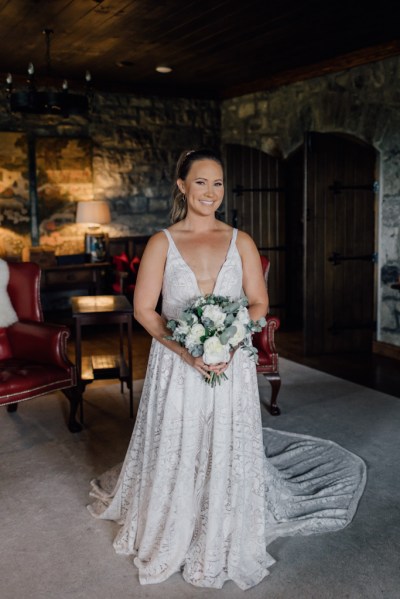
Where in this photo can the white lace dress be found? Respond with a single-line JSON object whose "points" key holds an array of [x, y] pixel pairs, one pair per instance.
{"points": [[203, 488]]}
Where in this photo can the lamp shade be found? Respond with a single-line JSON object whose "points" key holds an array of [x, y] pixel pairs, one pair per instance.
{"points": [[96, 212]]}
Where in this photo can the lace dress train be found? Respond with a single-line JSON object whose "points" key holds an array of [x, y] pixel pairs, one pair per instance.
{"points": [[203, 488]]}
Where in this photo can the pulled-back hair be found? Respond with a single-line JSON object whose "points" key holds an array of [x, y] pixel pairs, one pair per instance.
{"points": [[183, 166]]}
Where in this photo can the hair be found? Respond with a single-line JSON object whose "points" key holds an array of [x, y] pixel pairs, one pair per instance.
{"points": [[183, 166]]}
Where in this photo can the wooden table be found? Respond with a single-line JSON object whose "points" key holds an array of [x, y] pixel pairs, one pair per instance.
{"points": [[89, 275], [103, 310]]}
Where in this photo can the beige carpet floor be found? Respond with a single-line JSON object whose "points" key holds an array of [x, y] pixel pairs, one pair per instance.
{"points": [[51, 548]]}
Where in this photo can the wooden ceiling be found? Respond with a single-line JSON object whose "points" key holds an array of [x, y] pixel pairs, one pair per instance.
{"points": [[217, 49]]}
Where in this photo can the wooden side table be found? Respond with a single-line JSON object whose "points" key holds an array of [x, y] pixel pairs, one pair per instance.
{"points": [[103, 310]]}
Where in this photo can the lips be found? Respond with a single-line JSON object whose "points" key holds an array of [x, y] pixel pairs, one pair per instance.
{"points": [[206, 202]]}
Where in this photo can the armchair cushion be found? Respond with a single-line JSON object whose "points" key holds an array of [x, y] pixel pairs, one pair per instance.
{"points": [[24, 379]]}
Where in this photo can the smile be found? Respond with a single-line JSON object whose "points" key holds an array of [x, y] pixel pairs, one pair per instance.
{"points": [[207, 202]]}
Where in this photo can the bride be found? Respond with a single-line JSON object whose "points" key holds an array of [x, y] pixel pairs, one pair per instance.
{"points": [[203, 488]]}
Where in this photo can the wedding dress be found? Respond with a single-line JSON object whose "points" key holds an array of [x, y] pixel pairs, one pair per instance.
{"points": [[203, 488]]}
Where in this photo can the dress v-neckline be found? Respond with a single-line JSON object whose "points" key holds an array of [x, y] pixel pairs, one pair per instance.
{"points": [[231, 243]]}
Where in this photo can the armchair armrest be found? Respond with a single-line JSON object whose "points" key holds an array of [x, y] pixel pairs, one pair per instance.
{"points": [[45, 343], [265, 340]]}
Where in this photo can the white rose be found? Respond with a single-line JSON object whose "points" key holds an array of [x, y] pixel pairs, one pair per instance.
{"points": [[195, 333], [215, 352], [243, 315], [239, 335], [215, 314]]}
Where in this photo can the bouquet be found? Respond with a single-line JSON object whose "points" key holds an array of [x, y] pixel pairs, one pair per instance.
{"points": [[212, 326]]}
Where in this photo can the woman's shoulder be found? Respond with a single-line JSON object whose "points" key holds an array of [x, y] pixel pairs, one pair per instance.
{"points": [[158, 237], [244, 240], [157, 242]]}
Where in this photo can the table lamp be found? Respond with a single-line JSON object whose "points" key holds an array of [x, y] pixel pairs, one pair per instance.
{"points": [[94, 213]]}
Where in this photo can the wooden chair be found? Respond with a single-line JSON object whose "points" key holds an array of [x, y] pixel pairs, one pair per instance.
{"points": [[267, 354], [33, 359]]}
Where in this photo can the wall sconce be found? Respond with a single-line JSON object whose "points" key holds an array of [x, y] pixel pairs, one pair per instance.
{"points": [[94, 213]]}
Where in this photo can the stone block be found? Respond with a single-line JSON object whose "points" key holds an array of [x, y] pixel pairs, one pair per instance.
{"points": [[159, 205], [246, 109]]}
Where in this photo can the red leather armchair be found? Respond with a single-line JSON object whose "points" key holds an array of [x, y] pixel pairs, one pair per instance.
{"points": [[267, 354], [33, 358]]}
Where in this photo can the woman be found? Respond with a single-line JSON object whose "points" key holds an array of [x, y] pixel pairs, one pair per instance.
{"points": [[196, 492]]}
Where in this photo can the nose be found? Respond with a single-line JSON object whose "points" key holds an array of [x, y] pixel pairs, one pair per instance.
{"points": [[210, 191]]}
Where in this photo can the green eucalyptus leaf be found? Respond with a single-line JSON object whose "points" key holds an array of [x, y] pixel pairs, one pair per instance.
{"points": [[229, 319], [227, 334], [233, 307], [197, 351], [171, 325]]}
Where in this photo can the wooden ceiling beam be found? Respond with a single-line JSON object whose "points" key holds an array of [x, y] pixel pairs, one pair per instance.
{"points": [[332, 65]]}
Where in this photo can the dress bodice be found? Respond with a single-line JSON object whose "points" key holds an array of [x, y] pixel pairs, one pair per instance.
{"points": [[180, 285]]}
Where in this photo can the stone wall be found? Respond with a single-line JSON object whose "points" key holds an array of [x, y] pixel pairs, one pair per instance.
{"points": [[136, 142], [363, 102]]}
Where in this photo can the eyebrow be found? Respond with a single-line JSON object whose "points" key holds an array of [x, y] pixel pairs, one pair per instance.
{"points": [[205, 179]]}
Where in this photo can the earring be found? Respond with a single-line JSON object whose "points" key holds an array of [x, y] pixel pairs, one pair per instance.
{"points": [[183, 198]]}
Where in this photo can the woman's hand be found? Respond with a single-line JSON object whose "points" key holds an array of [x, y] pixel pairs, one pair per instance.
{"points": [[196, 363], [222, 366], [205, 369]]}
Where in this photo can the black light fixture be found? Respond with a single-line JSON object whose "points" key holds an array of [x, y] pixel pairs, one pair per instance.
{"points": [[34, 101]]}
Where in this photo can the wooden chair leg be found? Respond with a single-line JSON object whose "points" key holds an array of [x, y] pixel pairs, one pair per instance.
{"points": [[74, 396], [275, 381], [12, 407]]}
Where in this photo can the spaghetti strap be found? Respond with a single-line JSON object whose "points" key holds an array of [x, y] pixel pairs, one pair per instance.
{"points": [[169, 236]]}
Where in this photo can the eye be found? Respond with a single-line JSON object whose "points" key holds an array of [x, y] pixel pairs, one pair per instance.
{"points": [[219, 184]]}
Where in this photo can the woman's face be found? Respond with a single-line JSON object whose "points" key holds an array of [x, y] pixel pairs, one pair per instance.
{"points": [[203, 187]]}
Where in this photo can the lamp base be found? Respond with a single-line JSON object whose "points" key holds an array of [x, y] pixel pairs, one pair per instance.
{"points": [[96, 246]]}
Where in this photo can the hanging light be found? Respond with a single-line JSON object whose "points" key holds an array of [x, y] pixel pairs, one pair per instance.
{"points": [[34, 101]]}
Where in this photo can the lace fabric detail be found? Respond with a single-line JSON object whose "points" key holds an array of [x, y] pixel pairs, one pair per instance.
{"points": [[180, 285], [203, 488]]}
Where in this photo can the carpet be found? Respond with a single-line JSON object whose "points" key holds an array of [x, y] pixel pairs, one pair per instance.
{"points": [[52, 548]]}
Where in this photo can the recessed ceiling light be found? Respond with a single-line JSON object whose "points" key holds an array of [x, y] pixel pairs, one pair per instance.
{"points": [[162, 69]]}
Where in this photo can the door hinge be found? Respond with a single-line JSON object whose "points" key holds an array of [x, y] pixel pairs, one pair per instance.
{"points": [[336, 258], [337, 187]]}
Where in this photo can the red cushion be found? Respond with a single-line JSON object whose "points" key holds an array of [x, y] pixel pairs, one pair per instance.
{"points": [[264, 263], [20, 379], [121, 262], [5, 349], [134, 265]]}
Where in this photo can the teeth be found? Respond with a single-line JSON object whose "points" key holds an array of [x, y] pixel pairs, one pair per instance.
{"points": [[208, 202]]}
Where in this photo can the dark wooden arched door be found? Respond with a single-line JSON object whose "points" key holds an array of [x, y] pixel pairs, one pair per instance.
{"points": [[339, 244], [313, 215], [255, 203]]}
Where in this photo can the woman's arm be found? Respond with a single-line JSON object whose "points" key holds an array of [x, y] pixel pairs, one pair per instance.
{"points": [[253, 284], [147, 292], [149, 284], [253, 279]]}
